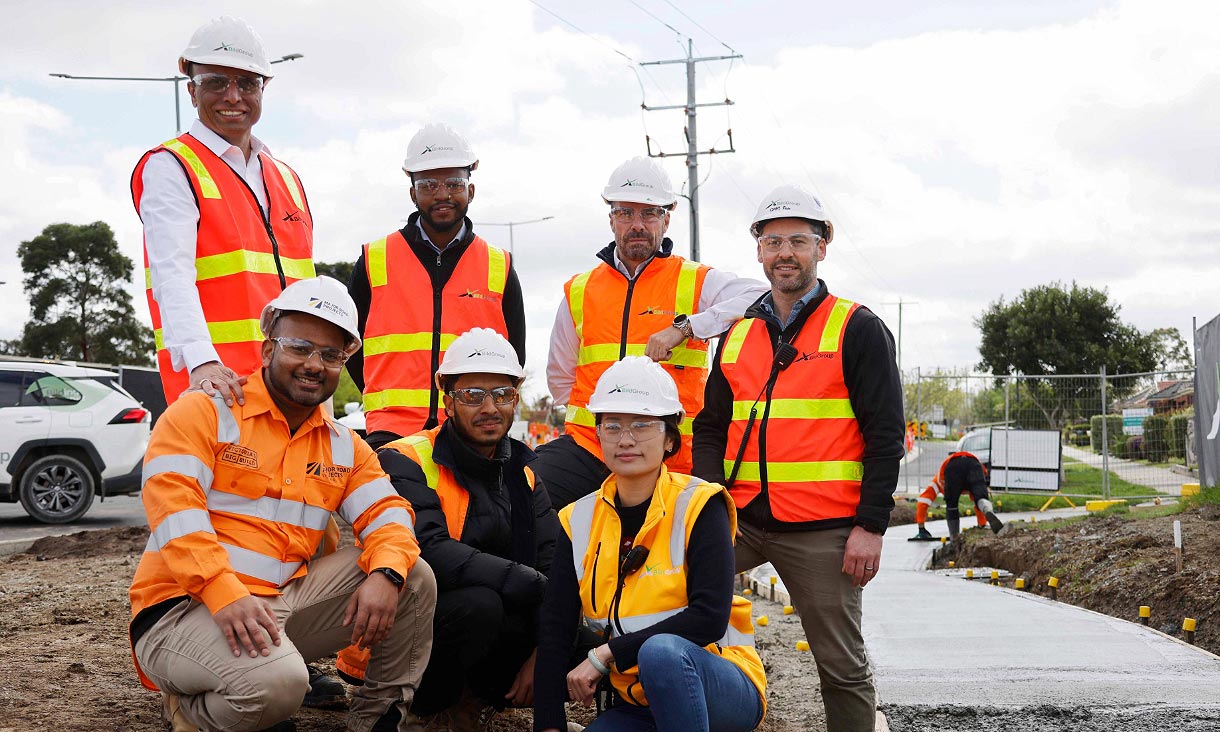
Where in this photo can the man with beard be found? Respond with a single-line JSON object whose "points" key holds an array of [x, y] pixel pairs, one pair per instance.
{"points": [[487, 529], [803, 424], [471, 282], [640, 300], [230, 597]]}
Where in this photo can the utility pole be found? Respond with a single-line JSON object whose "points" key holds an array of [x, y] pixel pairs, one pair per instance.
{"points": [[900, 304], [692, 147]]}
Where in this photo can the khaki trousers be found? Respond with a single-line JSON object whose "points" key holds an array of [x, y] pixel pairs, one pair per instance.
{"points": [[186, 654], [811, 565]]}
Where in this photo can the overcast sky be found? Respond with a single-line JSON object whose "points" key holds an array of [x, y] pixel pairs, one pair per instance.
{"points": [[966, 150]]}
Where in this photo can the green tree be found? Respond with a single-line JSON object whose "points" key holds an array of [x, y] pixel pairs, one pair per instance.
{"points": [[341, 271], [1173, 353], [79, 309]]}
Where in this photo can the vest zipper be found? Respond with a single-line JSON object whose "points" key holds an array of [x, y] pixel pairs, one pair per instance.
{"points": [[265, 216], [622, 341], [596, 554], [432, 421]]}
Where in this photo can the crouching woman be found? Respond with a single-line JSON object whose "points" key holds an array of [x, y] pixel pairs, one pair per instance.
{"points": [[647, 561]]}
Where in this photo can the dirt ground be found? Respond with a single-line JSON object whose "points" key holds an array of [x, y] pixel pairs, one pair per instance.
{"points": [[67, 662]]}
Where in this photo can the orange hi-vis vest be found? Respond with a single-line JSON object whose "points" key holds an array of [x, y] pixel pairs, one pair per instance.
{"points": [[237, 505], [454, 499], [406, 334], [805, 450], [242, 259], [614, 318], [658, 589]]}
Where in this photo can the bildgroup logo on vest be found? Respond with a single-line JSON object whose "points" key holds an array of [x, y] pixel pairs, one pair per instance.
{"points": [[474, 294], [657, 310]]}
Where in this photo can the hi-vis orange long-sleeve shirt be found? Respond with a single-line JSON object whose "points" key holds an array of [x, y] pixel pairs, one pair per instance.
{"points": [[237, 505]]}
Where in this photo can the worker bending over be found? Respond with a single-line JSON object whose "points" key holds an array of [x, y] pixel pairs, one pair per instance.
{"points": [[960, 473]]}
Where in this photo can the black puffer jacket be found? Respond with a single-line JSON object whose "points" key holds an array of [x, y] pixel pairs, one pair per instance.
{"points": [[508, 539]]}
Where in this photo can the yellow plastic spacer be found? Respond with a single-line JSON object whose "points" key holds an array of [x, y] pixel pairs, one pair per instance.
{"points": [[999, 504], [1145, 611], [747, 591], [1033, 519], [944, 539], [995, 575], [788, 609], [802, 645], [1053, 582], [774, 579], [1190, 489], [969, 574], [762, 620], [952, 564], [1188, 625], [1020, 583]]}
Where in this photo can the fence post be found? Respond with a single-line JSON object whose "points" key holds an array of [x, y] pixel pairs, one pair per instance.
{"points": [[1194, 339], [918, 419], [1105, 438]]}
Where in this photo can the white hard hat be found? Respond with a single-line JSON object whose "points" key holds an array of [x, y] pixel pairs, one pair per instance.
{"points": [[438, 146], [322, 297], [231, 42], [636, 385], [640, 180], [791, 202], [480, 351]]}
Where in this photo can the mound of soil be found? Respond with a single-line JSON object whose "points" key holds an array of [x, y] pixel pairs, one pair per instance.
{"points": [[903, 512], [1113, 564]]}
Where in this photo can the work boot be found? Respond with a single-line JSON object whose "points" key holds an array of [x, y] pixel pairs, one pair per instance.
{"points": [[994, 522], [471, 714], [432, 723], [923, 534], [324, 691], [172, 714]]}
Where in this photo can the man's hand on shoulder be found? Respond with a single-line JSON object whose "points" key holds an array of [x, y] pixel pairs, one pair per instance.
{"points": [[862, 557], [215, 378], [243, 622]]}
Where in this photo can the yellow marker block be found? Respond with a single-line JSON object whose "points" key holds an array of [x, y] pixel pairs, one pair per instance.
{"points": [[1188, 625], [1020, 583], [995, 576], [1145, 611], [944, 539], [747, 591], [802, 645], [999, 504], [952, 564], [969, 574], [1033, 519], [1156, 501], [788, 609], [1101, 505], [1190, 489], [774, 579], [1053, 582], [969, 512], [762, 620]]}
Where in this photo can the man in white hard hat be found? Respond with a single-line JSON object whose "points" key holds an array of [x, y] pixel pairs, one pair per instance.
{"points": [[471, 283], [486, 527], [230, 599], [226, 225], [641, 299], [803, 424]]}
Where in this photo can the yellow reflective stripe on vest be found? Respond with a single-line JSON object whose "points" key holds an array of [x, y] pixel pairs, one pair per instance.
{"points": [[241, 261], [812, 472], [421, 398], [608, 353], [684, 295], [798, 409], [576, 300], [376, 263], [497, 269], [833, 332], [732, 345], [290, 182], [207, 186], [404, 343], [226, 331], [585, 418], [423, 450]]}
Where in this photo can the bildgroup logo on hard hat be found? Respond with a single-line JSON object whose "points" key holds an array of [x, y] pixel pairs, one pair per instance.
{"points": [[436, 148], [234, 49], [486, 352], [627, 389], [636, 183], [782, 205]]}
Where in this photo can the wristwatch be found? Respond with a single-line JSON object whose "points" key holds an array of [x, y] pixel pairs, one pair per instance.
{"points": [[391, 575], [682, 323]]}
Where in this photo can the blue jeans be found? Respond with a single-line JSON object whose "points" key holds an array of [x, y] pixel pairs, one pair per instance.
{"points": [[688, 690]]}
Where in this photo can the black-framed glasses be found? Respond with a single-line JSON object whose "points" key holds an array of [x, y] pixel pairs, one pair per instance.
{"points": [[219, 83], [298, 348], [625, 215], [798, 242], [473, 396], [640, 430], [431, 185]]}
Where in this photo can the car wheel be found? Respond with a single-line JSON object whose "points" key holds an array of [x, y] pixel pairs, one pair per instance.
{"points": [[56, 489]]}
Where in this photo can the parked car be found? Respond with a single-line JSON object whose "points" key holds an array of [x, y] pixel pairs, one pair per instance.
{"points": [[977, 443], [67, 433]]}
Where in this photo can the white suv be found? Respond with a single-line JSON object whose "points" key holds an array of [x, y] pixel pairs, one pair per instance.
{"points": [[66, 434]]}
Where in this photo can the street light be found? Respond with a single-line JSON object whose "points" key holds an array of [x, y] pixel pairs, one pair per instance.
{"points": [[175, 79], [511, 224]]}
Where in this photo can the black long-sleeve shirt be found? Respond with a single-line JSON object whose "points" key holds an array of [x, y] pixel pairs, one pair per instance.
{"points": [[875, 390], [709, 592], [440, 269]]}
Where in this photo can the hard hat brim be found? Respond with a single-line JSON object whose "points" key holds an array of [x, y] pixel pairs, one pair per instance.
{"points": [[440, 164], [614, 195], [228, 62]]}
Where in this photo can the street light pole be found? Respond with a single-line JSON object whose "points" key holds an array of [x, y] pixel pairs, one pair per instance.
{"points": [[174, 79], [511, 224]]}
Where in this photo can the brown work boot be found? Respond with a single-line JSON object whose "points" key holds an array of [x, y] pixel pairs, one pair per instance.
{"points": [[471, 714], [173, 716]]}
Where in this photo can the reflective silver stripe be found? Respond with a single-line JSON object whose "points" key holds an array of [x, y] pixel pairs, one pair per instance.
{"points": [[280, 510], [179, 524], [632, 623], [581, 523], [363, 498], [342, 449], [398, 516], [226, 424], [924, 501], [677, 535], [187, 465], [597, 624], [734, 637], [260, 566]]}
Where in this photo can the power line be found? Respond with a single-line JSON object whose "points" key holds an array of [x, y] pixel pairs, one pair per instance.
{"points": [[696, 24], [650, 14], [576, 28]]}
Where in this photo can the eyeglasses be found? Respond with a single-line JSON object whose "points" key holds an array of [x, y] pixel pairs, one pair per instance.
{"points": [[798, 242], [474, 397], [431, 185], [639, 431], [332, 358], [625, 215], [219, 83]]}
